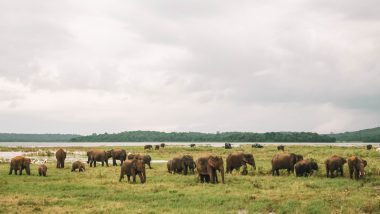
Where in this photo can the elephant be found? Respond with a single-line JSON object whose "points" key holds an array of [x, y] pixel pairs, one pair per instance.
{"points": [[284, 161], [227, 146], [78, 165], [146, 158], [148, 147], [20, 163], [334, 163], [281, 147], [207, 167], [305, 167], [131, 168], [98, 155], [256, 145], [117, 154], [369, 147], [192, 145], [61, 156], [181, 164], [356, 167], [157, 147], [42, 169], [162, 145], [238, 159]]}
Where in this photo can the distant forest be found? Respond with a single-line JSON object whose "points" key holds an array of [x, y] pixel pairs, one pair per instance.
{"points": [[365, 135], [10, 137], [154, 136]]}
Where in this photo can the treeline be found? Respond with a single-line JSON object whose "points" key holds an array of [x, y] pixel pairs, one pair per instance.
{"points": [[11, 137], [365, 135], [154, 136]]}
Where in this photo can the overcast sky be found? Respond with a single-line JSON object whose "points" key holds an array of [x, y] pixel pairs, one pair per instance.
{"points": [[111, 66]]}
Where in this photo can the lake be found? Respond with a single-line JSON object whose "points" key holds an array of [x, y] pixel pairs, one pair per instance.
{"points": [[213, 144]]}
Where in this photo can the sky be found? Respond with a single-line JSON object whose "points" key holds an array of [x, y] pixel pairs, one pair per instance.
{"points": [[109, 66]]}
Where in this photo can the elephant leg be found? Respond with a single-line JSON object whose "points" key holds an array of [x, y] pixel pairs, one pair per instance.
{"points": [[278, 172], [20, 172], [207, 178], [356, 174], [57, 163], [134, 176], [10, 170], [63, 164], [216, 177], [114, 162], [102, 163], [149, 165], [341, 171], [16, 170], [94, 163], [351, 171], [106, 163], [141, 177], [129, 178]]}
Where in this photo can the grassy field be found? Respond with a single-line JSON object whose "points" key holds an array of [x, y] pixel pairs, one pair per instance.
{"points": [[98, 190]]}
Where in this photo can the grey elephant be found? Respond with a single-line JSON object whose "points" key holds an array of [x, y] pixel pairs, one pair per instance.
{"points": [[284, 161], [117, 154], [239, 159], [181, 164], [20, 163], [132, 168], [78, 165], [334, 164], [305, 167], [207, 167], [98, 155], [356, 167]]}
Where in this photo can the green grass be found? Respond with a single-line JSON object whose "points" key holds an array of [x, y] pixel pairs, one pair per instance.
{"points": [[98, 190]]}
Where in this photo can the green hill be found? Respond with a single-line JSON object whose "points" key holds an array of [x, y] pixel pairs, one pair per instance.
{"points": [[154, 136], [365, 135], [12, 137]]}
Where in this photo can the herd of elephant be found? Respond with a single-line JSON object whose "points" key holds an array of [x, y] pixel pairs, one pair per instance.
{"points": [[206, 166]]}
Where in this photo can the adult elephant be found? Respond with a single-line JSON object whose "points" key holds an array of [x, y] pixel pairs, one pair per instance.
{"points": [[20, 163], [281, 147], [118, 154], [98, 156], [207, 166], [157, 147], [356, 167], [284, 161], [146, 158], [132, 168], [305, 167], [181, 164], [192, 145], [60, 155], [369, 147], [227, 146], [162, 145], [239, 159], [334, 164], [148, 147]]}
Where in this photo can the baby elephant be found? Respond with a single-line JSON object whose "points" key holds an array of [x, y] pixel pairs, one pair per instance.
{"points": [[131, 168], [78, 165], [42, 169], [305, 167]]}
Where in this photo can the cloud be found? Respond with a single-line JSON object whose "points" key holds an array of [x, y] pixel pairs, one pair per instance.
{"points": [[189, 66]]}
